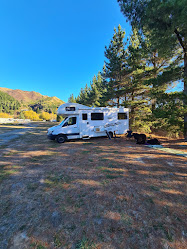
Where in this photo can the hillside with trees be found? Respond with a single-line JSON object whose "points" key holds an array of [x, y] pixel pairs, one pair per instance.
{"points": [[25, 104], [8, 104], [143, 72]]}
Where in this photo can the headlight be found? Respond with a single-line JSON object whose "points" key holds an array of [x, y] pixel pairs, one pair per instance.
{"points": [[49, 132]]}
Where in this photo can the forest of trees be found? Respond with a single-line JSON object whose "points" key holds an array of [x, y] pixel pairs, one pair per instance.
{"points": [[140, 72], [8, 104]]}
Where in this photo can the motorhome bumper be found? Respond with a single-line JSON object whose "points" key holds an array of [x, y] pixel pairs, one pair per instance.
{"points": [[51, 136]]}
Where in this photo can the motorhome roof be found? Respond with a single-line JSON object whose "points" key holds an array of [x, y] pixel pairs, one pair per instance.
{"points": [[73, 108]]}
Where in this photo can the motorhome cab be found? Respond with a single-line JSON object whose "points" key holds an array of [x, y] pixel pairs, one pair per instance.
{"points": [[86, 122]]}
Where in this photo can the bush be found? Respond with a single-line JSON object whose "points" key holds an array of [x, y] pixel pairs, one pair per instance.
{"points": [[21, 116], [45, 116], [31, 115], [5, 115]]}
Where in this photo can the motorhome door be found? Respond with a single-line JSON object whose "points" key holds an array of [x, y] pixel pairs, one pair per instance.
{"points": [[71, 128], [85, 126]]}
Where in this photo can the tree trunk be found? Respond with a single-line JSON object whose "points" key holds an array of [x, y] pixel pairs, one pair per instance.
{"points": [[153, 104], [118, 98], [131, 121], [183, 44], [185, 94], [153, 100], [118, 102]]}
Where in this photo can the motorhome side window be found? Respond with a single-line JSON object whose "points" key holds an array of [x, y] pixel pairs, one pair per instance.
{"points": [[84, 116], [122, 115], [97, 116], [70, 108]]}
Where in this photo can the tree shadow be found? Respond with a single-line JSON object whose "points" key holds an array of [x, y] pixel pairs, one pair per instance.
{"points": [[113, 194]]}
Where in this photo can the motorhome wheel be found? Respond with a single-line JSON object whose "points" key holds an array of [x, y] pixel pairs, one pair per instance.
{"points": [[61, 138]]}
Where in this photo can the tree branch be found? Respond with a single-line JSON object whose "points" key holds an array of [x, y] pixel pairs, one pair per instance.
{"points": [[180, 39]]}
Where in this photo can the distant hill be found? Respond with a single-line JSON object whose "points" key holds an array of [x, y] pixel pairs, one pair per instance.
{"points": [[27, 96], [30, 99]]}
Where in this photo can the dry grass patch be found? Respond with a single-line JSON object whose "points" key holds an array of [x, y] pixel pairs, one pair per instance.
{"points": [[7, 170], [96, 194]]}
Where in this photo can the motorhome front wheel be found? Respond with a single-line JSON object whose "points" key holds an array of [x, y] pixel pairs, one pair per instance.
{"points": [[61, 139]]}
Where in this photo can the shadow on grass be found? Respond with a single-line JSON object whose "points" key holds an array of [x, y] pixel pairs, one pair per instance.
{"points": [[94, 194]]}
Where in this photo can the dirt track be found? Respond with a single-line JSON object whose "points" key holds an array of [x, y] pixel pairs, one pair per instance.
{"points": [[97, 193], [9, 133]]}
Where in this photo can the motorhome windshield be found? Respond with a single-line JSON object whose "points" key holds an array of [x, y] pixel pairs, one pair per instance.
{"points": [[63, 121]]}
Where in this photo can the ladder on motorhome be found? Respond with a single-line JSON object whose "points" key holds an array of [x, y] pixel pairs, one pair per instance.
{"points": [[108, 135]]}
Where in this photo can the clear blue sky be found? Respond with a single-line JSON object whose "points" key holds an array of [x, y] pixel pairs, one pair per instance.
{"points": [[55, 46]]}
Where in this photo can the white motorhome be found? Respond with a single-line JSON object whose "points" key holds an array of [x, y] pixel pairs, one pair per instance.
{"points": [[87, 122]]}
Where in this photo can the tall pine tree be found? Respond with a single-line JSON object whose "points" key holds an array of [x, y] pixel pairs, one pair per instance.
{"points": [[164, 23], [115, 65]]}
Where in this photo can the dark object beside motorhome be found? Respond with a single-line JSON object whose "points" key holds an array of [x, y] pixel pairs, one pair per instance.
{"points": [[153, 141], [129, 134], [140, 138]]}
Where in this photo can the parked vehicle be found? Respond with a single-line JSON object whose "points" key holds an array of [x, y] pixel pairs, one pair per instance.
{"points": [[87, 122]]}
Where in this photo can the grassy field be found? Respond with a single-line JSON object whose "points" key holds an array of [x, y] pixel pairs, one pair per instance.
{"points": [[96, 193]]}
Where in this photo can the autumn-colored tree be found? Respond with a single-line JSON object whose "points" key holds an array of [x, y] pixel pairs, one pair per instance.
{"points": [[31, 115], [45, 116]]}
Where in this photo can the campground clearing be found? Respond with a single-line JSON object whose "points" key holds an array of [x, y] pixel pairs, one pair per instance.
{"points": [[98, 193]]}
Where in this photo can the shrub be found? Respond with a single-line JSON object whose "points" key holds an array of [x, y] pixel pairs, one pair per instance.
{"points": [[45, 116], [5, 115], [31, 115]]}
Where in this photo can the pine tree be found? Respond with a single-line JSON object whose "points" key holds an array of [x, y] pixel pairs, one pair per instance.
{"points": [[135, 91], [115, 66], [82, 98], [164, 23], [72, 99]]}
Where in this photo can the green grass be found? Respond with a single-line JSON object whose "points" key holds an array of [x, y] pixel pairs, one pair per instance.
{"points": [[57, 180], [111, 174], [168, 235], [111, 166], [126, 219], [85, 244], [103, 159], [57, 241], [79, 203], [11, 153], [3, 146], [105, 182], [36, 245], [6, 172], [150, 200], [154, 188], [166, 231], [85, 152], [98, 150], [43, 157], [132, 171], [32, 186]]}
